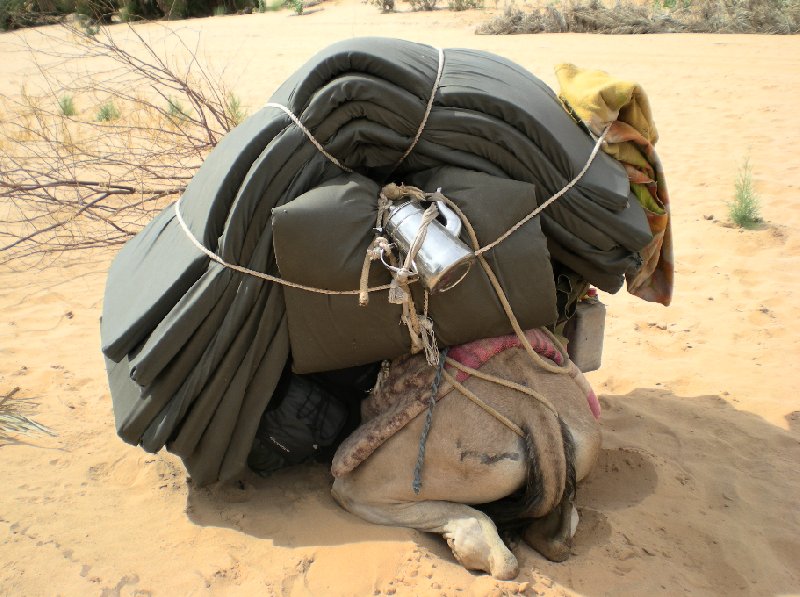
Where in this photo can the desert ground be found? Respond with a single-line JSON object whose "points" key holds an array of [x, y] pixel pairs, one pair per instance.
{"points": [[697, 489]]}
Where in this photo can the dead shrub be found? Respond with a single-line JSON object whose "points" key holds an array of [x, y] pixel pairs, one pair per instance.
{"points": [[667, 16], [83, 182]]}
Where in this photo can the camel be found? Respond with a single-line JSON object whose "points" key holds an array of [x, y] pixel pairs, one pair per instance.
{"points": [[477, 470]]}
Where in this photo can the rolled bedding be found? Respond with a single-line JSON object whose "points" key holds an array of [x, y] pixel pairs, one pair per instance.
{"points": [[195, 349]]}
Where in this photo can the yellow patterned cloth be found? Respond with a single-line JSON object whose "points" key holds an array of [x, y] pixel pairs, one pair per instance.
{"points": [[600, 99]]}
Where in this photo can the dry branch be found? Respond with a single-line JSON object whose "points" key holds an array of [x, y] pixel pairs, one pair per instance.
{"points": [[74, 182]]}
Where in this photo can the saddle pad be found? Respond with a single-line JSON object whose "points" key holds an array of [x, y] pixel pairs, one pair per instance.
{"points": [[404, 393]]}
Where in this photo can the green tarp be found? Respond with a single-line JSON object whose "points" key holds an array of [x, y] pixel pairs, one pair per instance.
{"points": [[321, 238], [194, 350]]}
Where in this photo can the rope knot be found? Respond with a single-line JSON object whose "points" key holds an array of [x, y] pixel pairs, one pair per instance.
{"points": [[398, 292]]}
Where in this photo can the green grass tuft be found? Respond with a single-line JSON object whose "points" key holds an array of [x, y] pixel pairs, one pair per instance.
{"points": [[107, 112], [175, 109], [417, 5], [459, 5], [66, 105], [745, 208], [236, 113]]}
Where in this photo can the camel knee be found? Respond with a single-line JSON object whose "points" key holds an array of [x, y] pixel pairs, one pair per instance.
{"points": [[348, 495], [340, 492]]}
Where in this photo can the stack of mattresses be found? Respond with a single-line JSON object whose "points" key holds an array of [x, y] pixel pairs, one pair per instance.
{"points": [[195, 349]]}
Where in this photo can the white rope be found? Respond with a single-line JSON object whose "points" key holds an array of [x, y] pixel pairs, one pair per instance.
{"points": [[427, 108], [214, 257], [544, 205], [308, 134]]}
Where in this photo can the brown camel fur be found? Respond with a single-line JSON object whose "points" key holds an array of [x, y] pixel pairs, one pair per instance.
{"points": [[472, 459]]}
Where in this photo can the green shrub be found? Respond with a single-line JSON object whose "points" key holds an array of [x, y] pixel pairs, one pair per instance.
{"points": [[175, 109], [386, 6], [234, 111], [132, 10], [422, 4], [66, 105], [459, 5], [15, 14], [107, 112], [662, 16], [97, 10], [173, 9], [745, 208]]}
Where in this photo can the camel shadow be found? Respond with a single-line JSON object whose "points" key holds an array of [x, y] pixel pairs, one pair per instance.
{"points": [[268, 508], [681, 481], [677, 479]]}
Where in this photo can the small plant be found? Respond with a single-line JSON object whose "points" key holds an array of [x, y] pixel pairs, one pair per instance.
{"points": [[66, 105], [15, 14], [297, 6], [219, 11], [459, 5], [175, 109], [386, 6], [745, 207], [89, 26], [91, 29], [422, 4], [236, 114], [107, 112], [14, 420], [269, 6]]}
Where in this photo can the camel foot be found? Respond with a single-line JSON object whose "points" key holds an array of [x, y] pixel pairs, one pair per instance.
{"points": [[476, 545], [552, 535]]}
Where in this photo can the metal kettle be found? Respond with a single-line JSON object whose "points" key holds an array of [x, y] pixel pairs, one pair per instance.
{"points": [[443, 260]]}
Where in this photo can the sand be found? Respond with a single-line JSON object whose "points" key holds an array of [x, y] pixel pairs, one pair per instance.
{"points": [[696, 490]]}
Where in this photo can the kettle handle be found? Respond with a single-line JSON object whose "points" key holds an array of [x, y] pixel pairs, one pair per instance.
{"points": [[452, 222]]}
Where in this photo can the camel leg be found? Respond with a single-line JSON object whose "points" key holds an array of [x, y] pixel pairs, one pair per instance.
{"points": [[470, 534], [551, 535]]}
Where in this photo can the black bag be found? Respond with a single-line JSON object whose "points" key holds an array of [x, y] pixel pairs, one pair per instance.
{"points": [[307, 419]]}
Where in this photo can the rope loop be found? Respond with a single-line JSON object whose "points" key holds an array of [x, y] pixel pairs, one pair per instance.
{"points": [[420, 327]]}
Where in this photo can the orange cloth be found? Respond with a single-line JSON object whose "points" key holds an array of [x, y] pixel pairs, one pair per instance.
{"points": [[601, 100]]}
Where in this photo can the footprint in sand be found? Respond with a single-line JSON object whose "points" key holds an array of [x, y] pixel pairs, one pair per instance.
{"points": [[593, 530], [621, 478], [129, 584]]}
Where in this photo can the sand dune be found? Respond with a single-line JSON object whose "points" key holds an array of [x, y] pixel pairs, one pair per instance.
{"points": [[696, 491]]}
